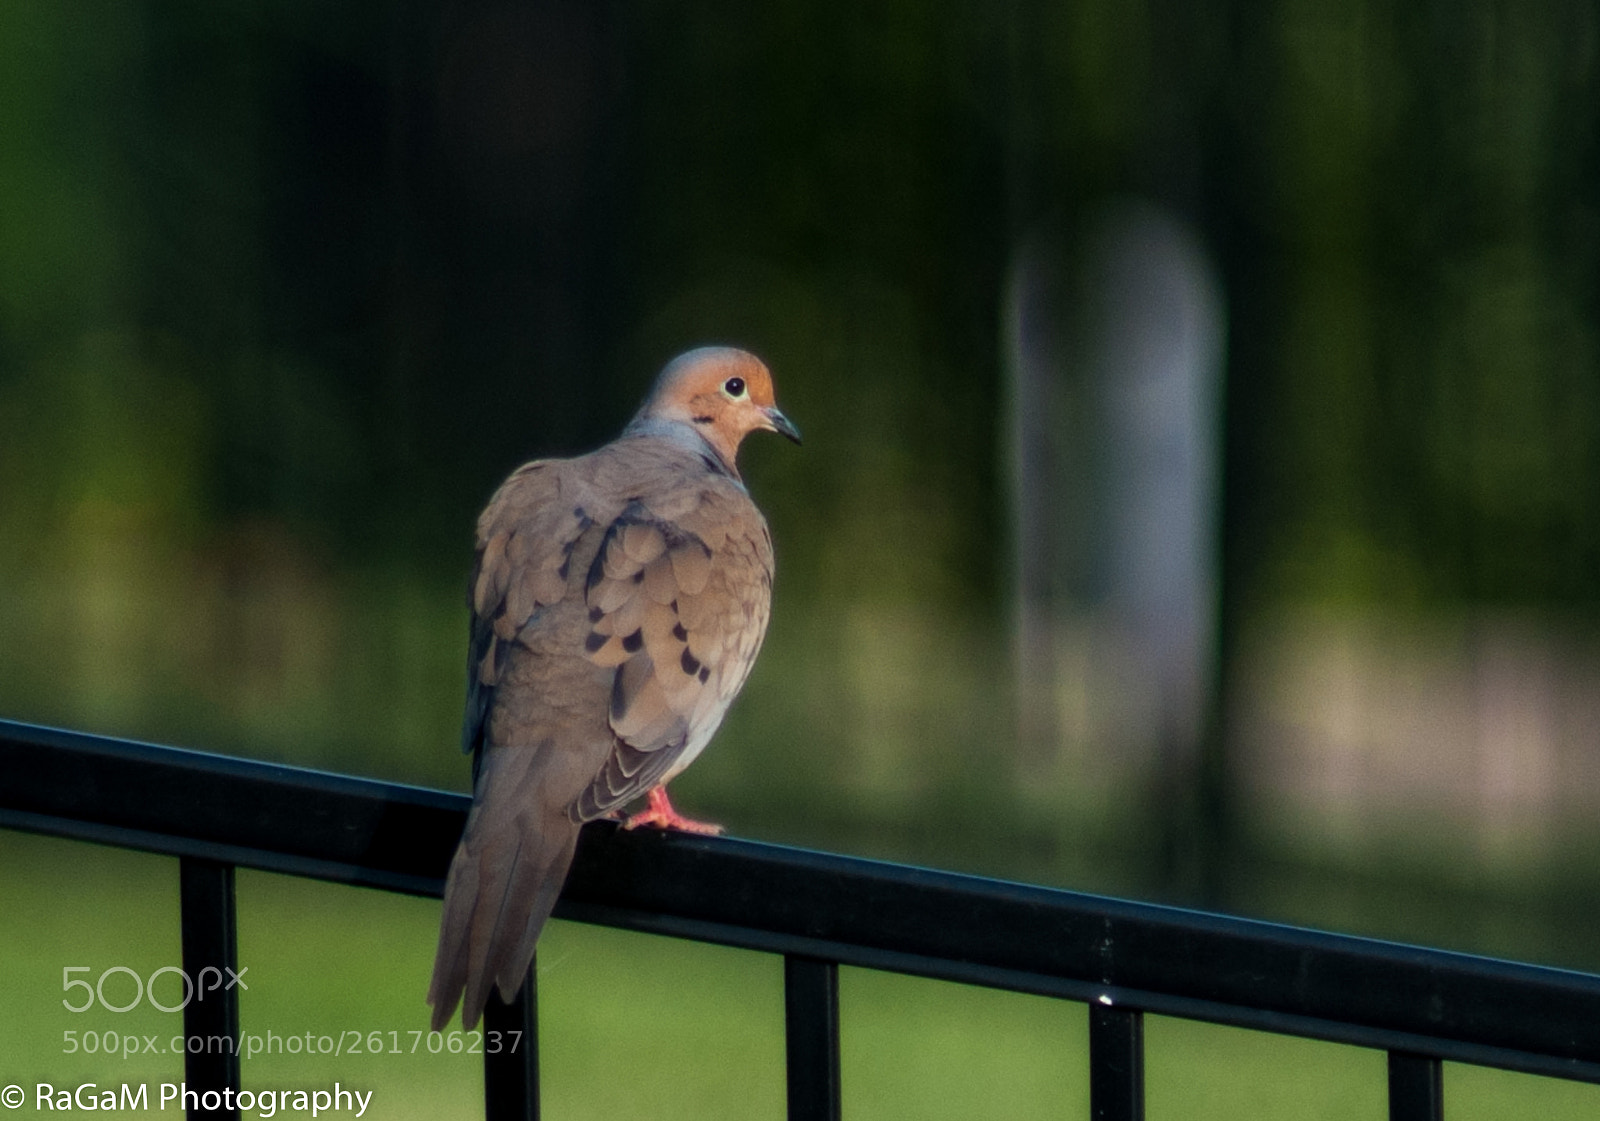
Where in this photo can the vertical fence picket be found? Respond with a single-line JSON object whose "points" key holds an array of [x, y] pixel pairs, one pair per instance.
{"points": [[211, 961], [1416, 1087], [1116, 1063], [511, 1069], [811, 1020]]}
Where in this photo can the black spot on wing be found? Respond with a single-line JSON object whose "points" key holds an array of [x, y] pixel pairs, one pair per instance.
{"points": [[619, 697], [691, 664], [634, 642], [678, 632], [634, 513], [481, 643], [566, 557], [705, 674], [477, 710], [594, 642]]}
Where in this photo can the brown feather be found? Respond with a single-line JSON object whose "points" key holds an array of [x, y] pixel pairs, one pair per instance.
{"points": [[617, 603]]}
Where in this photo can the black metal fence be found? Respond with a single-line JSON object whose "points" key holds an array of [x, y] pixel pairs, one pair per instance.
{"points": [[1121, 959]]}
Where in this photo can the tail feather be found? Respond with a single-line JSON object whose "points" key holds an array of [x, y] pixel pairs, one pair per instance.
{"points": [[504, 882], [514, 964], [492, 923], [450, 962]]}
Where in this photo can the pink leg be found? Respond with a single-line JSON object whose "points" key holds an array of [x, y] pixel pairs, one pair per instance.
{"points": [[661, 815]]}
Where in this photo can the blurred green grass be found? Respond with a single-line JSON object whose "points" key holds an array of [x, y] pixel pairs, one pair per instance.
{"points": [[629, 1023]]}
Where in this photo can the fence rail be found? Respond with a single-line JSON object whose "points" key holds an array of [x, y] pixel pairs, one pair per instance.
{"points": [[820, 911]]}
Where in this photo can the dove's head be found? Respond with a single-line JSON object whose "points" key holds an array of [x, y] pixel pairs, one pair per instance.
{"points": [[719, 392]]}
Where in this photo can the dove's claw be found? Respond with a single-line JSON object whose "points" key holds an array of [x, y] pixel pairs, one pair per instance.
{"points": [[661, 815]]}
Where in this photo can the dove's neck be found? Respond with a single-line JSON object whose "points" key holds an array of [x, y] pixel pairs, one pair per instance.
{"points": [[685, 434]]}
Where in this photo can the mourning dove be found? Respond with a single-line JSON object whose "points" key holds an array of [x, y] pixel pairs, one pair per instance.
{"points": [[618, 603]]}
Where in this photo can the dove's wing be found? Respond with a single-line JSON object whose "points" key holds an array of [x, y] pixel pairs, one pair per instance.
{"points": [[678, 597]]}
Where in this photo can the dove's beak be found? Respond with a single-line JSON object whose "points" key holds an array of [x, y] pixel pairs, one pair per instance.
{"points": [[781, 424]]}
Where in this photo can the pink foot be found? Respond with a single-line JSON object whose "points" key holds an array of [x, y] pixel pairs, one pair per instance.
{"points": [[661, 815]]}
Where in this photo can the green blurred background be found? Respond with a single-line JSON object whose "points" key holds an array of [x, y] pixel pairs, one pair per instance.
{"points": [[286, 289]]}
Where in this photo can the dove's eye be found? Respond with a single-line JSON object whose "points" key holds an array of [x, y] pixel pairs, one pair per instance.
{"points": [[734, 387]]}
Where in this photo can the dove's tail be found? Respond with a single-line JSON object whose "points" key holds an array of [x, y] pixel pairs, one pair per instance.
{"points": [[503, 884]]}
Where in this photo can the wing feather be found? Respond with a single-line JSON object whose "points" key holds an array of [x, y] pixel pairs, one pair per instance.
{"points": [[680, 620], [525, 540]]}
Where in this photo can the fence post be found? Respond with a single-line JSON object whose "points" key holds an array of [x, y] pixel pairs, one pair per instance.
{"points": [[1416, 1087], [811, 1026], [211, 960], [511, 1071], [1116, 1063]]}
